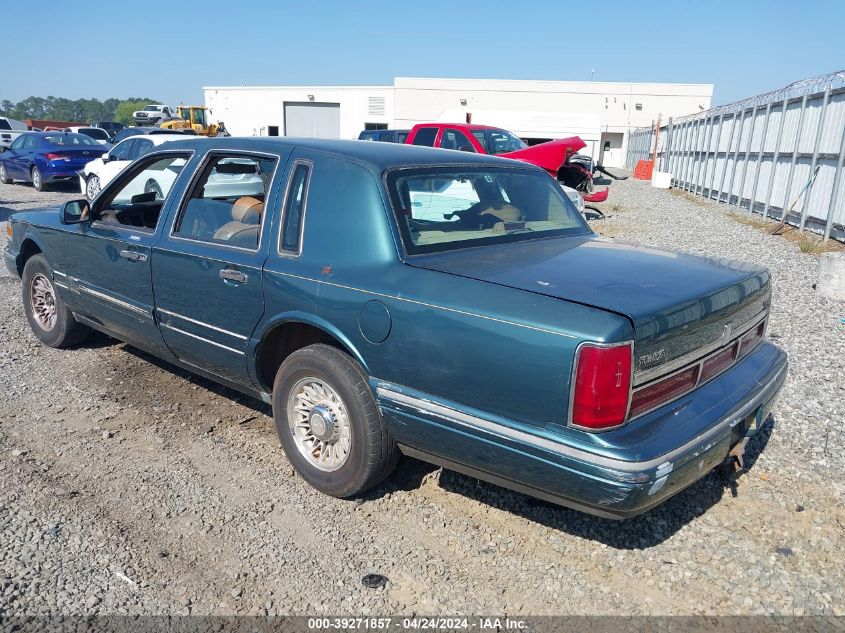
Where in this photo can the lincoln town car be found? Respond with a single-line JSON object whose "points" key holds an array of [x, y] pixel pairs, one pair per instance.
{"points": [[390, 299]]}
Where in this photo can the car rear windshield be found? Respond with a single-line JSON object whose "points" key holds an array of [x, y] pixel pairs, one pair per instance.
{"points": [[95, 133], [71, 140], [445, 208]]}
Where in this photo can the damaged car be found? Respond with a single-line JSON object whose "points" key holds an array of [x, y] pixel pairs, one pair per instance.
{"points": [[331, 284], [559, 158]]}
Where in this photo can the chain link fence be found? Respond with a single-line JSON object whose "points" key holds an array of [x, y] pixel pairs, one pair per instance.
{"points": [[778, 153]]}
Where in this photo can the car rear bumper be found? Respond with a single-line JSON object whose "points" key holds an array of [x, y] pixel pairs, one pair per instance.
{"points": [[546, 465]]}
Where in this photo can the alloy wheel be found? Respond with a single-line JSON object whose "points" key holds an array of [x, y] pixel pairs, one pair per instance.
{"points": [[319, 423], [42, 299]]}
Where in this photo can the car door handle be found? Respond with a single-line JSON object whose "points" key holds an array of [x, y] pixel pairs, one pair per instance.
{"points": [[133, 256], [231, 274]]}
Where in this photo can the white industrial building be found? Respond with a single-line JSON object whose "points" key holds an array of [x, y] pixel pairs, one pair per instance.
{"points": [[600, 112]]}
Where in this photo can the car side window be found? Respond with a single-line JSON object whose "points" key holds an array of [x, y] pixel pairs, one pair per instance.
{"points": [[142, 146], [294, 214], [137, 199], [29, 142], [122, 150], [425, 136], [18, 143], [455, 139], [226, 202]]}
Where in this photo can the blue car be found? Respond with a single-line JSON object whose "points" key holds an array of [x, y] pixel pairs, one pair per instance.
{"points": [[392, 299], [43, 158]]}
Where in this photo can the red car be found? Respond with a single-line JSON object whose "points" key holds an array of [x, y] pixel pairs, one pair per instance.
{"points": [[552, 156]]}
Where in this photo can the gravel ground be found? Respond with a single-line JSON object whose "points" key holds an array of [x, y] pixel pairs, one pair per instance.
{"points": [[129, 486]]}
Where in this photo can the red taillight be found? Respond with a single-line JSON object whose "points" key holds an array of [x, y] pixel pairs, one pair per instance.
{"points": [[602, 386], [663, 391], [52, 156], [750, 340], [719, 362]]}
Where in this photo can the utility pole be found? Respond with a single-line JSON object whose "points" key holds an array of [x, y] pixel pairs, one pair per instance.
{"points": [[656, 139]]}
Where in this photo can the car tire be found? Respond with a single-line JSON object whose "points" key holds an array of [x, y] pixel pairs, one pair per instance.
{"points": [[50, 319], [329, 424], [92, 185], [37, 178], [4, 178]]}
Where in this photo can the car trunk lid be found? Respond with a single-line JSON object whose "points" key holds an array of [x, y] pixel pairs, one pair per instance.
{"points": [[678, 304]]}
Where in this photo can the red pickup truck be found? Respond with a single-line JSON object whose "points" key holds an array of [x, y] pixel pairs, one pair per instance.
{"points": [[552, 156]]}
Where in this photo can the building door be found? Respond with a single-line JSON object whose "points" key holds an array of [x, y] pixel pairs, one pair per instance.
{"points": [[611, 149], [312, 120]]}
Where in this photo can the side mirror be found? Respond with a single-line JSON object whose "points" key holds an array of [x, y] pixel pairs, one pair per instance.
{"points": [[106, 157], [76, 212]]}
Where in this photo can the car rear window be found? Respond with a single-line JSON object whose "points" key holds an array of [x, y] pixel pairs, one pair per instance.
{"points": [[95, 133], [70, 140], [444, 208]]}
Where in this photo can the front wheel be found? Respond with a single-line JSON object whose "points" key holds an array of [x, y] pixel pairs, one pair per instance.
{"points": [[37, 179], [92, 187], [328, 422], [4, 177], [48, 316]]}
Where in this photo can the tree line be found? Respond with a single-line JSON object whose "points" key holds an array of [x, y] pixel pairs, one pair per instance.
{"points": [[82, 110]]}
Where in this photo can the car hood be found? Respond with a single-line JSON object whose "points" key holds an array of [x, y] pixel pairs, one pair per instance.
{"points": [[550, 156], [676, 302]]}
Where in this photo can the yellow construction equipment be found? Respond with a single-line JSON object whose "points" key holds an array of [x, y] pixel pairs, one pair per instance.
{"points": [[194, 118]]}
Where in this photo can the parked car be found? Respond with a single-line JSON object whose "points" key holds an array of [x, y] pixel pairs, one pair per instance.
{"points": [[553, 156], [98, 134], [507, 341], [10, 129], [152, 114], [43, 158], [100, 171], [385, 136], [144, 130], [111, 127]]}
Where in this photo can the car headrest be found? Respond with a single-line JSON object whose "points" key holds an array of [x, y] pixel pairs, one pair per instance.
{"points": [[247, 210]]}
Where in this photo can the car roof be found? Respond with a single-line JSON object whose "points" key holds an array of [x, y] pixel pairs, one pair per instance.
{"points": [[377, 156], [462, 126]]}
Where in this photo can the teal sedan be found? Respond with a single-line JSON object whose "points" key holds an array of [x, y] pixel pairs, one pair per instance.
{"points": [[390, 299]]}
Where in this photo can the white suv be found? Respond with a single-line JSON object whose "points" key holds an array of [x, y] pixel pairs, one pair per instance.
{"points": [[152, 114]]}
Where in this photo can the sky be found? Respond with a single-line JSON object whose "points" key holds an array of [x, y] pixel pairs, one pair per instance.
{"points": [[743, 47]]}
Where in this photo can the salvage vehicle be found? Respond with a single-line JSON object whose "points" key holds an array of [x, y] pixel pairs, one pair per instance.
{"points": [[100, 171], [509, 342], [44, 158], [152, 114], [559, 158]]}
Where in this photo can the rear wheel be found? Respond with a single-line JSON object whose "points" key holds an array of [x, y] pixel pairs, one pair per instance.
{"points": [[37, 180], [328, 422], [48, 316], [92, 186], [4, 178]]}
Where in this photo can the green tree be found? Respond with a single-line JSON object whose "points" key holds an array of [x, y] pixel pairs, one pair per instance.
{"points": [[82, 110]]}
